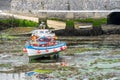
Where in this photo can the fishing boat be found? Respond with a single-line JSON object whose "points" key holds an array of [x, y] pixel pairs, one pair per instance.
{"points": [[43, 42]]}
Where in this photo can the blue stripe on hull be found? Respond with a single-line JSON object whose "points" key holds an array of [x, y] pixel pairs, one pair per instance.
{"points": [[44, 48]]}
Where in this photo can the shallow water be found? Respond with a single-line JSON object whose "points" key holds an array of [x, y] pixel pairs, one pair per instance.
{"points": [[100, 64], [12, 76]]}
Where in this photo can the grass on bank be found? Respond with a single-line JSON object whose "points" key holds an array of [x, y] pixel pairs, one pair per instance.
{"points": [[7, 23], [69, 24], [12, 22], [95, 22], [91, 20], [84, 20]]}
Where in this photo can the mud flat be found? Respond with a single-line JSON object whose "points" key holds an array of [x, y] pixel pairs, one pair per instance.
{"points": [[83, 61], [99, 40]]}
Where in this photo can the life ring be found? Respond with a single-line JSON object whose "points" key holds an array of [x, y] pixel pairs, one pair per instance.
{"points": [[34, 38]]}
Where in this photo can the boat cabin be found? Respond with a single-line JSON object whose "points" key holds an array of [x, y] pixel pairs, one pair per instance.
{"points": [[43, 33]]}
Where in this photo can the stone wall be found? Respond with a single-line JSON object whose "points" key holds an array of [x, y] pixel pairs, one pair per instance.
{"points": [[5, 4], [65, 4], [31, 7]]}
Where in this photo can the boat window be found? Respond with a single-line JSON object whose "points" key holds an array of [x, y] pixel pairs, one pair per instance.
{"points": [[41, 32], [46, 31]]}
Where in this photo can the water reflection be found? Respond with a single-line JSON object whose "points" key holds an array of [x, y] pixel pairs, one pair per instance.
{"points": [[12, 76]]}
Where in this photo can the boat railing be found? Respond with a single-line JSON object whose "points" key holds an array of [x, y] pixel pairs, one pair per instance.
{"points": [[37, 45], [46, 47]]}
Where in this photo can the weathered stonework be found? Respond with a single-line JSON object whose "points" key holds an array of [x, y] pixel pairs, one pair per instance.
{"points": [[65, 4], [31, 7], [5, 4]]}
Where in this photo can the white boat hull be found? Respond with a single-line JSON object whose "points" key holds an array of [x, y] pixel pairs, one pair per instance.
{"points": [[34, 52]]}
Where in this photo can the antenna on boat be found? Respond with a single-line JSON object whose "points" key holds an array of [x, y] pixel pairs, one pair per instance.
{"points": [[42, 25]]}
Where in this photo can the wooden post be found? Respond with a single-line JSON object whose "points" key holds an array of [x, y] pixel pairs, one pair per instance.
{"points": [[1, 38]]}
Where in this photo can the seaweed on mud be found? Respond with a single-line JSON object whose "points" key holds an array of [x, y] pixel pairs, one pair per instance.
{"points": [[5, 65], [43, 71], [73, 51], [110, 61], [66, 68], [115, 52], [22, 68]]}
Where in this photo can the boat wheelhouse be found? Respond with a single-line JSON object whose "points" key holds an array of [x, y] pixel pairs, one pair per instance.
{"points": [[43, 32]]}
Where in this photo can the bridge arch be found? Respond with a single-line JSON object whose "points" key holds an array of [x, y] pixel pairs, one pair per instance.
{"points": [[114, 18]]}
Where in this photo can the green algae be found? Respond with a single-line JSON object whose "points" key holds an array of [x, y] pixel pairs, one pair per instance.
{"points": [[43, 71], [66, 68], [72, 51], [115, 53], [106, 60], [5, 65]]}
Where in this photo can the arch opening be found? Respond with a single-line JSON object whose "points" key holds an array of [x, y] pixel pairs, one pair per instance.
{"points": [[114, 18]]}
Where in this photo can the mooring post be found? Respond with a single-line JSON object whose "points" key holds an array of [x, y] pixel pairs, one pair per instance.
{"points": [[1, 38]]}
